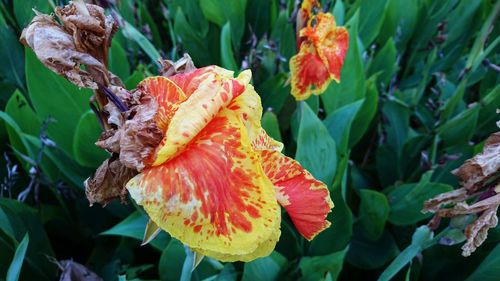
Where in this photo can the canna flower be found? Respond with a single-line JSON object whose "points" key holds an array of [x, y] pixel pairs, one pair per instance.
{"points": [[322, 48], [216, 180]]}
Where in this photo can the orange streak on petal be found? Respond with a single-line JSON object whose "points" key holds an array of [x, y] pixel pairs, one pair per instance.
{"points": [[214, 196], [168, 96], [309, 75], [306, 200]]}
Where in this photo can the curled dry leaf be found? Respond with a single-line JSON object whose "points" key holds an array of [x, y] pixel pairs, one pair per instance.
{"points": [[109, 182], [477, 231], [55, 48], [73, 271], [475, 172], [479, 178], [170, 68], [134, 134]]}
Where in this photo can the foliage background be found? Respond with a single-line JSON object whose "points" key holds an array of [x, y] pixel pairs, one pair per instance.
{"points": [[417, 98]]}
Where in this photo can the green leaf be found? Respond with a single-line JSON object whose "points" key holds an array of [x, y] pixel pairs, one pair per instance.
{"points": [[398, 117], [263, 269], [489, 269], [316, 150], [365, 114], [271, 126], [17, 261], [338, 12], [12, 67], [118, 62], [202, 52], [87, 133], [366, 253], [371, 17], [373, 213], [222, 11], [131, 33], [54, 96], [315, 268], [274, 93], [171, 261], [16, 138], [460, 129], [385, 63], [400, 24], [21, 112], [406, 200], [418, 240], [226, 51], [339, 124], [134, 79], [258, 15], [134, 226], [24, 13], [17, 219]]}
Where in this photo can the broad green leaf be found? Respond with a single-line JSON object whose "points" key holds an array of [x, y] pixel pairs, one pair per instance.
{"points": [[21, 112], [314, 268], [489, 269], [274, 93], [398, 118], [371, 254], [258, 15], [134, 226], [373, 213], [316, 150], [118, 62], [339, 124], [17, 219], [17, 261], [87, 133], [145, 18], [338, 12], [399, 24], [284, 33], [24, 13], [371, 17], [131, 33], [418, 240], [385, 63], [16, 139], [199, 48], [12, 67], [452, 102], [52, 95], [263, 269], [406, 200], [134, 79], [460, 129], [221, 11], [271, 126], [226, 50], [365, 114]]}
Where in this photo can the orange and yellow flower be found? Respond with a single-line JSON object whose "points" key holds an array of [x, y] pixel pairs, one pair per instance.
{"points": [[215, 180], [322, 48]]}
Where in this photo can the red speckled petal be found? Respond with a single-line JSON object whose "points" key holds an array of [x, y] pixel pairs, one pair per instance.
{"points": [[194, 113], [190, 81], [167, 94], [214, 196], [309, 74], [306, 200]]}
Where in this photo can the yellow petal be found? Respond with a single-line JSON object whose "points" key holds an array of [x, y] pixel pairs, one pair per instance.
{"points": [[214, 196]]}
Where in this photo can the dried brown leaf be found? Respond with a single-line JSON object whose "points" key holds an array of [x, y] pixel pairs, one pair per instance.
{"points": [[73, 271], [54, 47], [477, 231], [134, 134], [109, 182], [475, 172], [170, 68], [83, 39], [454, 196]]}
